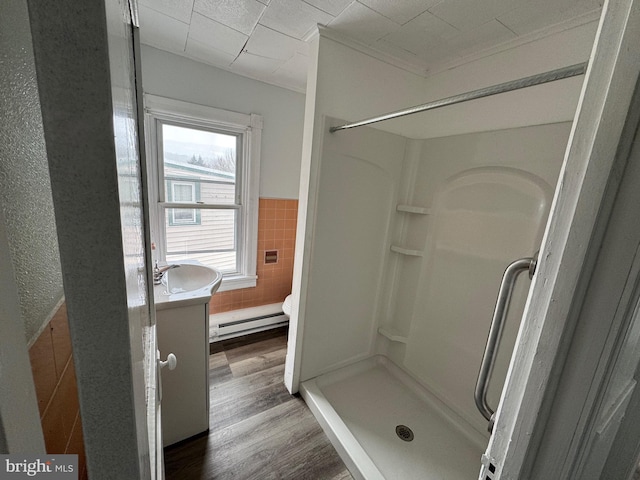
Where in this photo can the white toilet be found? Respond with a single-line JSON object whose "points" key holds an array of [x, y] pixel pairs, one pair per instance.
{"points": [[286, 306]]}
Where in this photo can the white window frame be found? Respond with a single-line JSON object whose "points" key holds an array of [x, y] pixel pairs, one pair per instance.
{"points": [[248, 176]]}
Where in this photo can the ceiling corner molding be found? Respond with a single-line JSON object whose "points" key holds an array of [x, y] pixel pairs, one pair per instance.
{"points": [[358, 46], [312, 34]]}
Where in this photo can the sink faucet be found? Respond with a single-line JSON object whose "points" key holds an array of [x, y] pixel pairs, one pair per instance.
{"points": [[158, 272]]}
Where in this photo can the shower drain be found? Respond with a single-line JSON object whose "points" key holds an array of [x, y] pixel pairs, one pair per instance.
{"points": [[404, 433]]}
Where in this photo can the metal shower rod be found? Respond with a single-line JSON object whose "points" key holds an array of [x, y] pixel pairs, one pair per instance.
{"points": [[538, 79]]}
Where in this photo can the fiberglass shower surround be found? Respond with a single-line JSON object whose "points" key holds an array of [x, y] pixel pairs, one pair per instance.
{"points": [[411, 240]]}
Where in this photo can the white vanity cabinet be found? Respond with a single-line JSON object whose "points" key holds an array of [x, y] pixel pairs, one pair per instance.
{"points": [[182, 318], [184, 331]]}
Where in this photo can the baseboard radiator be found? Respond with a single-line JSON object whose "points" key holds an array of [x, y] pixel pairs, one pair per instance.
{"points": [[247, 320]]}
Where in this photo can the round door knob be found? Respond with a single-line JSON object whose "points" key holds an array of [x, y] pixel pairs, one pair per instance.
{"points": [[170, 362]]}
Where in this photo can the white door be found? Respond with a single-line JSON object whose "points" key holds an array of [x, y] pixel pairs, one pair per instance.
{"points": [[589, 181], [152, 377]]}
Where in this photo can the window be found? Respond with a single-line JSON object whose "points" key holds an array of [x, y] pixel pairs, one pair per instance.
{"points": [[183, 192], [203, 167]]}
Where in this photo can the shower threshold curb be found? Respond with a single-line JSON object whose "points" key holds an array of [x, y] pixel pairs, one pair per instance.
{"points": [[353, 455]]}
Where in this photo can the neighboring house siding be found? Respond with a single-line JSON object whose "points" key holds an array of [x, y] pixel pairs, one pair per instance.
{"points": [[213, 229]]}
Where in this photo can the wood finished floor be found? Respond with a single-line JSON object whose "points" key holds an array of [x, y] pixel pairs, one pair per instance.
{"points": [[257, 430]]}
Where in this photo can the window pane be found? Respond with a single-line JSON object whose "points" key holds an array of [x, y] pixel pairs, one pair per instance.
{"points": [[184, 215], [208, 159], [183, 192], [212, 240]]}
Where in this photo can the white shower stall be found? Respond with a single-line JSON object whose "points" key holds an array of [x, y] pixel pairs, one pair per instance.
{"points": [[405, 230]]}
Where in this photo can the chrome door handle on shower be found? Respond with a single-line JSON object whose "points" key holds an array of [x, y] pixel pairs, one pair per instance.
{"points": [[495, 332]]}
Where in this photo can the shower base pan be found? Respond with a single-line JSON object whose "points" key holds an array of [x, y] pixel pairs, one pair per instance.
{"points": [[364, 409]]}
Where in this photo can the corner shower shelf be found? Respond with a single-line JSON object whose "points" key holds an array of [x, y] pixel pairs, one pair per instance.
{"points": [[406, 251], [412, 209], [392, 335]]}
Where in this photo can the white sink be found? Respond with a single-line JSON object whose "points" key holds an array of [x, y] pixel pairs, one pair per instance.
{"points": [[189, 283], [189, 277]]}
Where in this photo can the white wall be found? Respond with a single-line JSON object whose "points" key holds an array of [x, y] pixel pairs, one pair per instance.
{"points": [[282, 110], [358, 189]]}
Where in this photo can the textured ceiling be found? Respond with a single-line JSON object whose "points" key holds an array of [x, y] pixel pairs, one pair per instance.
{"points": [[264, 39]]}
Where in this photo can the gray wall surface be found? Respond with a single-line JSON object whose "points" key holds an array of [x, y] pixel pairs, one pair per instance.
{"points": [[25, 190]]}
